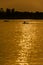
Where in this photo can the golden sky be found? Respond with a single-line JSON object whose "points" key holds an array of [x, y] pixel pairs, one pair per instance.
{"points": [[23, 5]]}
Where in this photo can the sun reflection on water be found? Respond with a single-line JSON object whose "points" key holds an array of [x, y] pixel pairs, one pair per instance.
{"points": [[26, 44]]}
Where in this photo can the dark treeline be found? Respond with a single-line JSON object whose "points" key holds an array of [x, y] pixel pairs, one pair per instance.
{"points": [[12, 14]]}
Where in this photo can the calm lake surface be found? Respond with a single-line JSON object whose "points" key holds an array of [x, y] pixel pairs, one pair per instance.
{"points": [[21, 44]]}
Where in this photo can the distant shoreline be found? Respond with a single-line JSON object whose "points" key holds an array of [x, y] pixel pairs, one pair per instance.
{"points": [[21, 19], [12, 14]]}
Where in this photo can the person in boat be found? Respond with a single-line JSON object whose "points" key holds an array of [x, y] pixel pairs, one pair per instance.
{"points": [[24, 22]]}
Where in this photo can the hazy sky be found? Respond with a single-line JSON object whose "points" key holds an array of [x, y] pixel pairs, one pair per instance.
{"points": [[23, 5]]}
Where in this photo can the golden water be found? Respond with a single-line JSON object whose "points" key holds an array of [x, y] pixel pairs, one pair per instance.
{"points": [[21, 44]]}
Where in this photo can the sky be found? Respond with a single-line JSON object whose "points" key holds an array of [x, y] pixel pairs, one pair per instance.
{"points": [[22, 5]]}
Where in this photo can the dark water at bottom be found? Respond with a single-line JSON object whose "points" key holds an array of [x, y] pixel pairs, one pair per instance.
{"points": [[21, 44]]}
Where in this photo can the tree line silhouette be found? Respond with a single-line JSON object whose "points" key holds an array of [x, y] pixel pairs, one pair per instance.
{"points": [[12, 14]]}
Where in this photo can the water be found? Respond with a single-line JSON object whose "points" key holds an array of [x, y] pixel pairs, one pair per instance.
{"points": [[21, 44]]}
